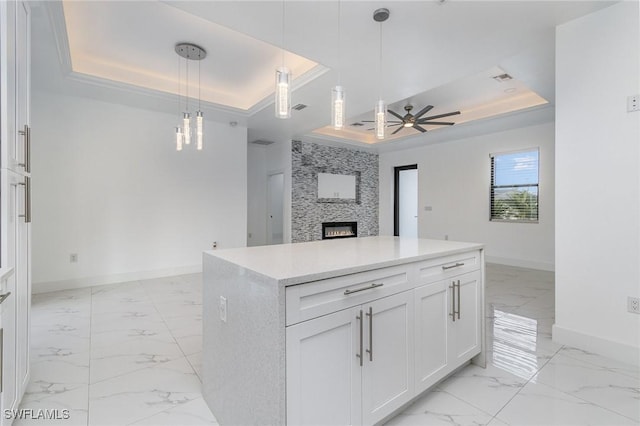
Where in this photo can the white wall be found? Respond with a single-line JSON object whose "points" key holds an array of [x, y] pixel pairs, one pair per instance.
{"points": [[109, 185], [598, 182], [279, 160], [454, 179], [256, 195]]}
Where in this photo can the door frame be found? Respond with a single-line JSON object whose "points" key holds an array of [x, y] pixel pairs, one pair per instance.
{"points": [[396, 195]]}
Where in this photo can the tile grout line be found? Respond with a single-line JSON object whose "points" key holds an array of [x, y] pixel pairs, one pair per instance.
{"points": [[90, 351]]}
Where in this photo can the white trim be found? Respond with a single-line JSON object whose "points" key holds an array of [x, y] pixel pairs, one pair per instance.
{"points": [[58, 23], [608, 348], [45, 287], [522, 263]]}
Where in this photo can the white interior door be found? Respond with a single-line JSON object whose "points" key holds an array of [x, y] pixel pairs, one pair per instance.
{"points": [[275, 208], [407, 200]]}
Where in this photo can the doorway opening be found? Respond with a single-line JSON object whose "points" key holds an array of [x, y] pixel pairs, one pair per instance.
{"points": [[275, 208], [405, 201]]}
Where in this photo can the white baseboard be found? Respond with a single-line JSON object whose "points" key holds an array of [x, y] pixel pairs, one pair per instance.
{"points": [[47, 286], [597, 345], [530, 264]]}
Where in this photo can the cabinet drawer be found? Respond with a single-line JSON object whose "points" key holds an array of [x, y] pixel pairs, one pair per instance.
{"points": [[317, 298], [448, 266]]}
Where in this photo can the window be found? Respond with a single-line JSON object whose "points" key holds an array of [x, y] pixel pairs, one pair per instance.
{"points": [[514, 186]]}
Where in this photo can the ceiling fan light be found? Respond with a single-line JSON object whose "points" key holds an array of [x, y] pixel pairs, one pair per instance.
{"points": [[337, 107], [408, 124], [380, 119], [283, 93]]}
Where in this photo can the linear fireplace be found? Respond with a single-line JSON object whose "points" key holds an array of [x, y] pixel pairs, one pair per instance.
{"points": [[332, 230]]}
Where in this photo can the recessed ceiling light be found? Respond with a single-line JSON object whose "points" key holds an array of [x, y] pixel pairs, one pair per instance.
{"points": [[510, 90]]}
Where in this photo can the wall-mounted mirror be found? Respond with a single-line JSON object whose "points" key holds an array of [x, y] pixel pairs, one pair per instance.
{"points": [[337, 187]]}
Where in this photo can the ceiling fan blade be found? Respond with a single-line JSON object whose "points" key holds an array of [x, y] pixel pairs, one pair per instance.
{"points": [[437, 123], [423, 111], [395, 114], [419, 127], [393, 125], [397, 130], [433, 117], [367, 121]]}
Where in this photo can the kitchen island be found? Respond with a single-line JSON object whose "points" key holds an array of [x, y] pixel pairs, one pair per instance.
{"points": [[337, 331]]}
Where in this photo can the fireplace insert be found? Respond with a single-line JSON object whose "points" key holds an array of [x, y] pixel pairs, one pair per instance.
{"points": [[332, 230]]}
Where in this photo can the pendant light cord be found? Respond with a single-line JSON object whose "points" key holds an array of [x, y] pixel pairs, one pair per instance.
{"points": [[339, 45], [282, 45], [187, 89], [380, 66], [199, 60]]}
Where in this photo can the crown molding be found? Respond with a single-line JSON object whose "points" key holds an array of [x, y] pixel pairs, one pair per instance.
{"points": [[104, 83], [55, 12]]}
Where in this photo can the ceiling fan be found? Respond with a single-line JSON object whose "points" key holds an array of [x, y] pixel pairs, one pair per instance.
{"points": [[415, 121]]}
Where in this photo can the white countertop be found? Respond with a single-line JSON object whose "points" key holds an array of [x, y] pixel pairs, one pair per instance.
{"points": [[301, 262]]}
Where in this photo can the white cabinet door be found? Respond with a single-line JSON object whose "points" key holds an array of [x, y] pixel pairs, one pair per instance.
{"points": [[431, 324], [12, 205], [23, 288], [323, 370], [465, 331], [21, 160], [388, 373]]}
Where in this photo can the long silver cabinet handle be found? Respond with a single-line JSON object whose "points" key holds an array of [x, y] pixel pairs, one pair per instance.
{"points": [[370, 334], [458, 299], [453, 301], [374, 285], [4, 296], [27, 148], [457, 265], [360, 319], [27, 200]]}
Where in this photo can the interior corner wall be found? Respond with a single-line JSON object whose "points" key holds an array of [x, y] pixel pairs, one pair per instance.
{"points": [[454, 180], [598, 182], [278, 159], [109, 185]]}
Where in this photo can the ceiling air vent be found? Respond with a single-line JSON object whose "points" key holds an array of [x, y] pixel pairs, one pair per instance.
{"points": [[262, 142], [356, 124], [502, 77], [299, 107]]}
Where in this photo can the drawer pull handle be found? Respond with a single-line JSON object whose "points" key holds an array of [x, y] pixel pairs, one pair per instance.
{"points": [[453, 301], [374, 285], [457, 265], [370, 350], [360, 320]]}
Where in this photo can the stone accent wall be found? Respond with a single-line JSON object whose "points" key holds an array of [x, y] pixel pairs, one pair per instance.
{"points": [[307, 213]]}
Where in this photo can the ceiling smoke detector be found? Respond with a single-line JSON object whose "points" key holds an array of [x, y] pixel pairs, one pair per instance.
{"points": [[381, 15]]}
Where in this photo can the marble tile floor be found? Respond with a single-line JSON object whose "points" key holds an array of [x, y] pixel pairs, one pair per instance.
{"points": [[131, 353]]}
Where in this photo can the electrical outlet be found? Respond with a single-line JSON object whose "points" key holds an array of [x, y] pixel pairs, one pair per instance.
{"points": [[73, 258], [633, 103], [214, 245], [633, 305], [223, 309]]}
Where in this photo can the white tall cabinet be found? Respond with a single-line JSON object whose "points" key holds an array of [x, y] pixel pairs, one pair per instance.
{"points": [[15, 200]]}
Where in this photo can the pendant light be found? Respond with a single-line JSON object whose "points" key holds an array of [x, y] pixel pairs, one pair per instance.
{"points": [[283, 83], [337, 93], [190, 52], [380, 118]]}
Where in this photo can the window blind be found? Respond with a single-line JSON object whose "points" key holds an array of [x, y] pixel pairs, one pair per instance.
{"points": [[515, 186]]}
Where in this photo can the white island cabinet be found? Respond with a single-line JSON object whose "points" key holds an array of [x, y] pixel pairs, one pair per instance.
{"points": [[343, 332]]}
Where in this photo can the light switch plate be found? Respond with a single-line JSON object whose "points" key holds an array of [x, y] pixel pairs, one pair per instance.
{"points": [[223, 309]]}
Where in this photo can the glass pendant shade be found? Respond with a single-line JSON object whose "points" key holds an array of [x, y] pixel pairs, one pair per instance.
{"points": [[179, 138], [199, 130], [283, 93], [337, 107], [380, 119], [186, 128]]}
